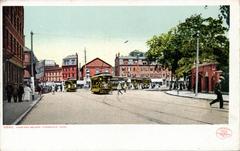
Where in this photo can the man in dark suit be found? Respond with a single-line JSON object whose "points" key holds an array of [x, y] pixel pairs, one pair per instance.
{"points": [[217, 91]]}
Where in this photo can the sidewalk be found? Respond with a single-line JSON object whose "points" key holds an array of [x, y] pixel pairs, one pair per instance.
{"points": [[190, 94], [13, 113]]}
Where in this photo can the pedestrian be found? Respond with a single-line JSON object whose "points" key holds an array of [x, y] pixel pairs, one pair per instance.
{"points": [[119, 88], [53, 89], [20, 92], [38, 90], [27, 93], [125, 87], [217, 91], [15, 92], [60, 88], [56, 88], [9, 89]]}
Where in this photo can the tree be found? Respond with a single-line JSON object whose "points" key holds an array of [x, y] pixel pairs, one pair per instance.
{"points": [[176, 49], [225, 13], [164, 50]]}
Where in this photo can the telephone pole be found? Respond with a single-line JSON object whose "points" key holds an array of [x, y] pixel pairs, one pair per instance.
{"points": [[32, 70], [85, 60], [77, 66]]}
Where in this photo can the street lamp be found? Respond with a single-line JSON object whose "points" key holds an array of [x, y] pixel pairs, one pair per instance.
{"points": [[197, 63]]}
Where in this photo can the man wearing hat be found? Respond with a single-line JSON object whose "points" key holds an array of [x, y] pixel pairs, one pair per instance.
{"points": [[217, 91]]}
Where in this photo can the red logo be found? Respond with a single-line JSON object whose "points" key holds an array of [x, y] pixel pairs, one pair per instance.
{"points": [[223, 133]]}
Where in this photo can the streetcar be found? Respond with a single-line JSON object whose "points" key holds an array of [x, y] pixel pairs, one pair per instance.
{"points": [[101, 84], [140, 83], [70, 85], [117, 79]]}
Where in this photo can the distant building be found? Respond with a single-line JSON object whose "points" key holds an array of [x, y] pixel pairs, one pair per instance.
{"points": [[28, 66], [44, 68], [134, 66], [95, 66], [70, 67], [13, 43], [53, 74]]}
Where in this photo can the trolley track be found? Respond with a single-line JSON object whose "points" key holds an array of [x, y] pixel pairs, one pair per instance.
{"points": [[124, 109], [141, 108]]}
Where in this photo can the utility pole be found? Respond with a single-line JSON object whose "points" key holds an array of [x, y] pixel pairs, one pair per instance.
{"points": [[197, 62], [32, 71], [85, 60], [77, 66]]}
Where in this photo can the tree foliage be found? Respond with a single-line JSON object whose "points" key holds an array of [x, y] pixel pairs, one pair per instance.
{"points": [[225, 13], [176, 49]]}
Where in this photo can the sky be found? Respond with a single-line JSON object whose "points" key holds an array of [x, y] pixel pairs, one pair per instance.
{"points": [[60, 31]]}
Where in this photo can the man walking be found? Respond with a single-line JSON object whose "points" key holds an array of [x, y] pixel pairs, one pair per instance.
{"points": [[119, 88], [217, 91]]}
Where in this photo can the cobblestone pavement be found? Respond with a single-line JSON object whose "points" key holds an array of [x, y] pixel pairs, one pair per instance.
{"points": [[133, 107]]}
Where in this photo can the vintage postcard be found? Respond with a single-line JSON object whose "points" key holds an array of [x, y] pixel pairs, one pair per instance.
{"points": [[126, 75]]}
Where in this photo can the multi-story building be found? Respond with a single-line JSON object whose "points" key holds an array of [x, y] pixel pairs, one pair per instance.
{"points": [[48, 71], [95, 66], [134, 67], [53, 74], [13, 44], [28, 66], [70, 67]]}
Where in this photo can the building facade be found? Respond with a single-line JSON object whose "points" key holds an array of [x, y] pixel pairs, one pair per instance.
{"points": [[70, 67], [133, 67], [94, 67], [13, 44], [41, 68], [27, 66], [207, 78], [53, 74]]}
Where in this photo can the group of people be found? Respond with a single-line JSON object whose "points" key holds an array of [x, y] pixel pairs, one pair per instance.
{"points": [[18, 92], [56, 88]]}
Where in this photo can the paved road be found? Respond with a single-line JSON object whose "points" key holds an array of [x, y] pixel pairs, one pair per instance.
{"points": [[133, 107]]}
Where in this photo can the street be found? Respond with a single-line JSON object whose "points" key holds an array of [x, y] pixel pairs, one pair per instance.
{"points": [[133, 107]]}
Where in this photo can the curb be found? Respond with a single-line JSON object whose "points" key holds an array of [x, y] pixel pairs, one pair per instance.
{"points": [[192, 97], [18, 120]]}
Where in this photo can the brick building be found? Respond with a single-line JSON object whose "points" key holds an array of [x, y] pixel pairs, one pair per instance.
{"points": [[132, 67], [27, 65], [13, 44], [53, 74], [41, 68], [208, 77], [70, 67], [95, 66]]}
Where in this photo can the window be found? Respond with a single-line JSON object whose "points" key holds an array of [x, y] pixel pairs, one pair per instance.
{"points": [[9, 40], [121, 61], [97, 71], [130, 61]]}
